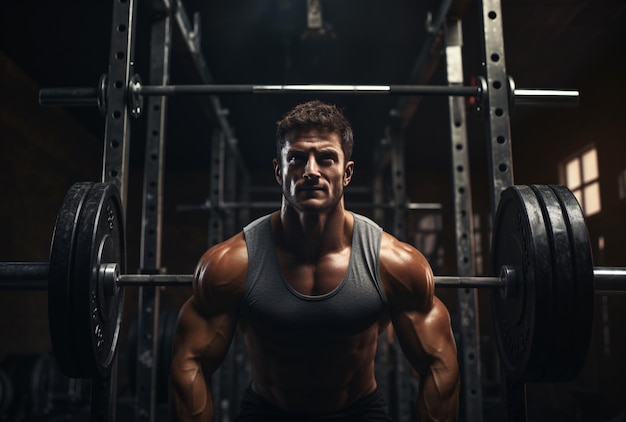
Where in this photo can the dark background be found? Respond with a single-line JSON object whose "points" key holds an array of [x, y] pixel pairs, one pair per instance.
{"points": [[566, 44]]}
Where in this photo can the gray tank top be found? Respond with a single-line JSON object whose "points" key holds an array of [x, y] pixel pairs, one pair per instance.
{"points": [[272, 307]]}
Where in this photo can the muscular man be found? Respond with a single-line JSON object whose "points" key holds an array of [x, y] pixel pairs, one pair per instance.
{"points": [[311, 287]]}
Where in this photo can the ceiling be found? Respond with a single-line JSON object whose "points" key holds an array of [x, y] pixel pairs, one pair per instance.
{"points": [[549, 44]]}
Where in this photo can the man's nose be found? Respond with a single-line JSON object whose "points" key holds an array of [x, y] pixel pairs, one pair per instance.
{"points": [[311, 170]]}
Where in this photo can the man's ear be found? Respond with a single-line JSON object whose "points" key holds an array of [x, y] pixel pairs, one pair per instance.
{"points": [[348, 172], [278, 174]]}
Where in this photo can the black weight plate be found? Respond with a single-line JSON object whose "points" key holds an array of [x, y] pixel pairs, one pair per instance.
{"points": [[563, 286], [97, 312], [581, 319], [520, 311], [60, 305]]}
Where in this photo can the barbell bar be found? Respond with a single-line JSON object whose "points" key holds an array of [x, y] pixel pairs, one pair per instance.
{"points": [[521, 96], [34, 276], [137, 88], [542, 299], [226, 205], [86, 96]]}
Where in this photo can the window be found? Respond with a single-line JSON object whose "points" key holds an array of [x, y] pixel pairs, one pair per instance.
{"points": [[580, 174], [621, 184]]}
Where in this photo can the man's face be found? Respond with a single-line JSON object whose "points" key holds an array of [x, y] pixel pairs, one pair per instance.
{"points": [[312, 170]]}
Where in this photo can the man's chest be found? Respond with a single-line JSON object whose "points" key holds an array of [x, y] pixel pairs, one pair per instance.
{"points": [[316, 277]]}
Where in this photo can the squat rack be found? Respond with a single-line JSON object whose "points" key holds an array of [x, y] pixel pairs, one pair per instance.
{"points": [[112, 96]]}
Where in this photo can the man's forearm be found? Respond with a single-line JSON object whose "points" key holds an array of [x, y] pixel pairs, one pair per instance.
{"points": [[438, 398], [191, 398]]}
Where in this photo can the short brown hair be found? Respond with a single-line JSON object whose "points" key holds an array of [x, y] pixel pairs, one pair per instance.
{"points": [[315, 115]]}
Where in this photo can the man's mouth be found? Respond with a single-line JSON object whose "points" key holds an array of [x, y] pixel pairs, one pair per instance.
{"points": [[310, 188]]}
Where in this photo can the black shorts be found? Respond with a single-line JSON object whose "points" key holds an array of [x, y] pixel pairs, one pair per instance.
{"points": [[371, 408]]}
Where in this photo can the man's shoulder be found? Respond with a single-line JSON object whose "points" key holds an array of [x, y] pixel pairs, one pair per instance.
{"points": [[404, 269], [224, 263], [227, 253], [399, 252], [221, 273]]}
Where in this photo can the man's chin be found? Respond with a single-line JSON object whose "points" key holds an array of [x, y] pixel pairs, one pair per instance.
{"points": [[310, 204]]}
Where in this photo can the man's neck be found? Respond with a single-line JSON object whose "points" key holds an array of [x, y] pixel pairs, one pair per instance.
{"points": [[313, 234]]}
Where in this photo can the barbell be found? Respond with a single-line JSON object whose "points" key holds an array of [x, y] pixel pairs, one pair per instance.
{"points": [[135, 91], [542, 299]]}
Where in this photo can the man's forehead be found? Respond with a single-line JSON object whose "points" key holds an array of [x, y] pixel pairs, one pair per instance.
{"points": [[313, 135]]}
